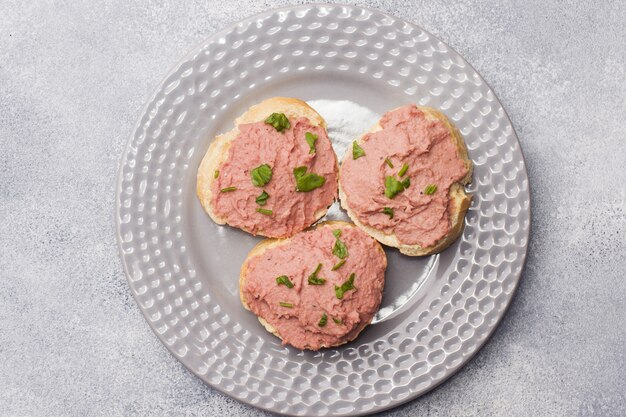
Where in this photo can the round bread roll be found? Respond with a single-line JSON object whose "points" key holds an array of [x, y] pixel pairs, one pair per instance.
{"points": [[274, 203], [426, 214], [317, 289]]}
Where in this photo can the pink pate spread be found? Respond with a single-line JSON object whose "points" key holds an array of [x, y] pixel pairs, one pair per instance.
{"points": [[259, 143], [299, 326], [427, 147]]}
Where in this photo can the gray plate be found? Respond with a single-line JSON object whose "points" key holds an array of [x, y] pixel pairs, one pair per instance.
{"points": [[183, 269]]}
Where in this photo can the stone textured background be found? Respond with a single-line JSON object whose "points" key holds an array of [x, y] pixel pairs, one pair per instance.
{"points": [[73, 79]]}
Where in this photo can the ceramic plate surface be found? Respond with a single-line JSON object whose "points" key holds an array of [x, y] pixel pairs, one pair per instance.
{"points": [[183, 269]]}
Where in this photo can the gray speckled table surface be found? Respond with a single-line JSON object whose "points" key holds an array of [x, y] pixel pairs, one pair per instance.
{"points": [[73, 79]]}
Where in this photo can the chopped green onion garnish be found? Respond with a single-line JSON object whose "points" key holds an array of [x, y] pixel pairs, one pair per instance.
{"points": [[264, 211], [357, 151], [393, 187], [339, 264], [431, 189], [261, 175], [388, 162], [340, 250], [310, 139], [285, 304], [314, 279], [261, 200], [228, 189], [307, 181], [346, 286], [388, 211], [284, 280], [216, 173], [337, 321], [279, 121], [403, 170], [323, 320]]}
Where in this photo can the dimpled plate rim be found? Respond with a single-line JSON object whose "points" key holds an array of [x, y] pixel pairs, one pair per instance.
{"points": [[429, 345]]}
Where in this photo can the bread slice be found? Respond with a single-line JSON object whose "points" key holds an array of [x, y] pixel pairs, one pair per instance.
{"points": [[217, 153], [460, 200], [266, 244]]}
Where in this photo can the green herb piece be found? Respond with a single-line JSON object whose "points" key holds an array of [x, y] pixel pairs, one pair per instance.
{"points": [[228, 189], [323, 320], [388, 162], [299, 171], [279, 121], [337, 321], [403, 170], [346, 286], [357, 151], [339, 264], [216, 174], [314, 279], [310, 139], [264, 211], [261, 200], [285, 304], [393, 187], [307, 181], [340, 250], [284, 280], [317, 269], [388, 211], [261, 175], [431, 189]]}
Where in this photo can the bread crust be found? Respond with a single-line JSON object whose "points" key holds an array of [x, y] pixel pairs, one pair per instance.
{"points": [[266, 244], [217, 153], [460, 200]]}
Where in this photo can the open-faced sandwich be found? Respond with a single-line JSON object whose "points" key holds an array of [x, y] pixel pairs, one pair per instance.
{"points": [[403, 182], [274, 174], [317, 289]]}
